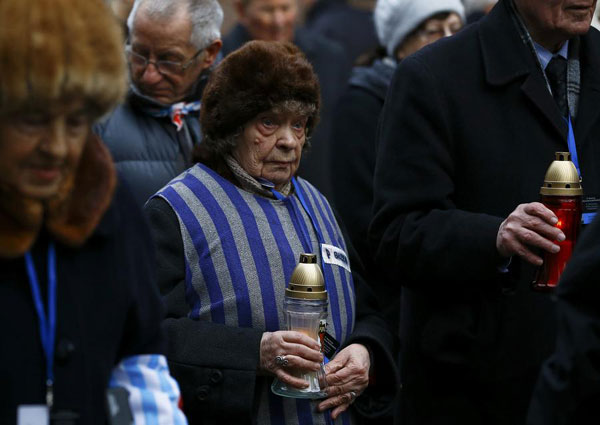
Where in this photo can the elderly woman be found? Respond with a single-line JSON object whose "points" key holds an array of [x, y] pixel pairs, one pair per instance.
{"points": [[78, 308], [229, 233]]}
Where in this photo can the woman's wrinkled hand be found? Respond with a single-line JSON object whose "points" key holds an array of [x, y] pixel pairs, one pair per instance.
{"points": [[285, 353], [347, 377]]}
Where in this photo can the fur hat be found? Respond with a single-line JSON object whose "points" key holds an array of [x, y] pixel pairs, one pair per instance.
{"points": [[254, 79], [395, 19], [52, 51]]}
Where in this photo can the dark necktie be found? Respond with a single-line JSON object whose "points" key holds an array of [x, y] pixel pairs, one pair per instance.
{"points": [[556, 71]]}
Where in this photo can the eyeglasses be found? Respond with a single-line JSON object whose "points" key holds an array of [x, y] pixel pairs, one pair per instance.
{"points": [[164, 67]]}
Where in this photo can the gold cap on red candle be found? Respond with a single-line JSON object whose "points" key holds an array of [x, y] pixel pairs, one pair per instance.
{"points": [[562, 178], [307, 280]]}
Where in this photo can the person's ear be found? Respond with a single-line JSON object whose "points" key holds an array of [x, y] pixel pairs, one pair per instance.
{"points": [[210, 53]]}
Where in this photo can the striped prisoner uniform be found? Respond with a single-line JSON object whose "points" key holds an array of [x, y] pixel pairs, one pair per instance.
{"points": [[240, 251]]}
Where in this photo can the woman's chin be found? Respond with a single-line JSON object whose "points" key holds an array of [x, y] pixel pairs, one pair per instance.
{"points": [[280, 177], [40, 192]]}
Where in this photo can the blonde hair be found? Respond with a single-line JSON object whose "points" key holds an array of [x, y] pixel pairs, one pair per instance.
{"points": [[52, 51]]}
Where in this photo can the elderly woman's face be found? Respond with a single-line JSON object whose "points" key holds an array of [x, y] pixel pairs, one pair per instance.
{"points": [[38, 149], [271, 146]]}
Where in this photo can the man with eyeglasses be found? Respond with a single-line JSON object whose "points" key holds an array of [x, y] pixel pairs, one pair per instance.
{"points": [[172, 45], [469, 127]]}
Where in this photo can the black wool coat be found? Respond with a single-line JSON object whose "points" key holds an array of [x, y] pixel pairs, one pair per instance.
{"points": [[468, 131], [108, 308], [568, 387], [354, 141]]}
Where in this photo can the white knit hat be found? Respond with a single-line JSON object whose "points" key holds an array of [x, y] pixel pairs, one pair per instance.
{"points": [[395, 19]]}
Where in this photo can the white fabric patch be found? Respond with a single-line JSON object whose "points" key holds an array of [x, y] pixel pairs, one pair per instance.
{"points": [[33, 414], [334, 255], [153, 393]]}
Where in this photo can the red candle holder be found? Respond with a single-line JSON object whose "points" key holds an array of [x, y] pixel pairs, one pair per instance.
{"points": [[562, 194], [568, 210]]}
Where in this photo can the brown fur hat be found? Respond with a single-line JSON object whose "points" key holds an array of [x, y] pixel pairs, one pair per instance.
{"points": [[52, 51], [254, 79]]}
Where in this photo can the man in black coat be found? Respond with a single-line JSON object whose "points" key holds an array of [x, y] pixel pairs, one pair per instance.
{"points": [[275, 20], [468, 131], [568, 388]]}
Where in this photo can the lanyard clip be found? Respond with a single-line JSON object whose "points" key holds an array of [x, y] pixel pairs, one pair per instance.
{"points": [[49, 394]]}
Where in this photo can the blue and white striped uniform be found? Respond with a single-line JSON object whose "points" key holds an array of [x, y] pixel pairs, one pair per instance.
{"points": [[153, 393], [240, 251]]}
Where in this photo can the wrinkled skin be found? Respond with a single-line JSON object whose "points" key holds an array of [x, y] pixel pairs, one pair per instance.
{"points": [[270, 146], [528, 227], [348, 372], [552, 22], [301, 352]]}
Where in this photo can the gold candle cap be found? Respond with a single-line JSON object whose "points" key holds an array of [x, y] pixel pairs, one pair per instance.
{"points": [[307, 280], [562, 178]]}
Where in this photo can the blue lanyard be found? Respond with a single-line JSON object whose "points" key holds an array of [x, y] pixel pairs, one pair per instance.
{"points": [[313, 220], [280, 197], [586, 217], [305, 236], [300, 196], [573, 146], [47, 323], [305, 206]]}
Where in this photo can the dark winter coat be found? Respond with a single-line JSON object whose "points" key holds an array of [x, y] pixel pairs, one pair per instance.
{"points": [[568, 388], [468, 131], [331, 66], [149, 151], [354, 143], [108, 309], [353, 165]]}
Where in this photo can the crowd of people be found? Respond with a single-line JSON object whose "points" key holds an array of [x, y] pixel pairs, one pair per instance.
{"points": [[159, 181]]}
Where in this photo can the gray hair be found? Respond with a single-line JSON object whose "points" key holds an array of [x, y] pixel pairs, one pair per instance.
{"points": [[206, 17]]}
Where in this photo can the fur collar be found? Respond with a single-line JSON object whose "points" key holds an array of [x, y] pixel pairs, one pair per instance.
{"points": [[71, 216]]}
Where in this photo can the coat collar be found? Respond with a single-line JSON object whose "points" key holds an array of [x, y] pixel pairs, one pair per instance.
{"points": [[507, 58], [72, 216]]}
